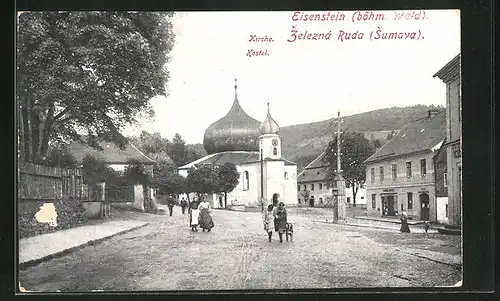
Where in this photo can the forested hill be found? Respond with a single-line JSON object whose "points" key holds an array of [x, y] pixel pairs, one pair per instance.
{"points": [[309, 140]]}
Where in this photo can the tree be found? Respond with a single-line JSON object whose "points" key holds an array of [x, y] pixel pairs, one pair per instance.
{"points": [[59, 157], [355, 149], [377, 143], [135, 174], [201, 180], [306, 193], [178, 150], [90, 72], [167, 180], [228, 178]]}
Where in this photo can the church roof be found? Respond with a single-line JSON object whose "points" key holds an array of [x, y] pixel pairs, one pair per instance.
{"points": [[236, 157], [236, 131], [269, 126], [417, 136]]}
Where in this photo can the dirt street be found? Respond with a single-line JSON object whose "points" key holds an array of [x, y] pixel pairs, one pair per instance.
{"points": [[166, 255]]}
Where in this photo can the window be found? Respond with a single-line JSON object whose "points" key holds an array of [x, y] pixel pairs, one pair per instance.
{"points": [[275, 151], [286, 175], [348, 199], [298, 200], [423, 167], [372, 175], [373, 201], [321, 200], [245, 180], [394, 172], [410, 200], [445, 179], [334, 184], [381, 173], [305, 187], [298, 187], [402, 207], [408, 169], [446, 211], [362, 197], [320, 185], [312, 186]]}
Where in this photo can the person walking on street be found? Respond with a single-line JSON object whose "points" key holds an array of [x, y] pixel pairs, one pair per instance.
{"points": [[280, 218], [404, 223], [268, 221], [183, 205], [170, 203], [206, 221], [194, 215]]}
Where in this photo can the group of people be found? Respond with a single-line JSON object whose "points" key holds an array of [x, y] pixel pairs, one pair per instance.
{"points": [[275, 218], [199, 213]]}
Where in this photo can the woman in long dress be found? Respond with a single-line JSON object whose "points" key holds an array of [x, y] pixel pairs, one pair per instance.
{"points": [[404, 223], [194, 214], [280, 218], [206, 222]]}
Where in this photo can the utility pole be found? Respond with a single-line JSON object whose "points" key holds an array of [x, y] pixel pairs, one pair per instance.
{"points": [[338, 144], [337, 178]]}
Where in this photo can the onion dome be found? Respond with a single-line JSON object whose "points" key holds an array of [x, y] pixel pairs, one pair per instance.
{"points": [[269, 126], [234, 132]]}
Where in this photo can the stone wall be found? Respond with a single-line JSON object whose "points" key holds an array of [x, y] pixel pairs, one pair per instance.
{"points": [[70, 213]]}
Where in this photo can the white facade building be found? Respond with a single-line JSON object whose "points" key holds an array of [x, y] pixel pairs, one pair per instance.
{"points": [[255, 149]]}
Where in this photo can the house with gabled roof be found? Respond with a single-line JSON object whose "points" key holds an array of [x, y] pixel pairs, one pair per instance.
{"points": [[315, 188], [118, 158], [400, 175]]}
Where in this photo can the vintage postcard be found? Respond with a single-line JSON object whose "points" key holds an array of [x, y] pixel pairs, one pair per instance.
{"points": [[206, 151]]}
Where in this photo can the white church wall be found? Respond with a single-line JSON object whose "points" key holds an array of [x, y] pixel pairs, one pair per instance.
{"points": [[250, 196], [290, 191]]}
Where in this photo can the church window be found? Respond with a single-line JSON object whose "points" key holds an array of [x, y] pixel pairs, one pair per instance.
{"points": [[275, 151], [286, 175], [245, 180]]}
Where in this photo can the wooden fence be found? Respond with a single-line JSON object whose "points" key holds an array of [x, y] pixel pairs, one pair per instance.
{"points": [[50, 183]]}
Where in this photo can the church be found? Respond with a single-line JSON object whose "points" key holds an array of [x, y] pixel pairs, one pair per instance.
{"points": [[255, 148]]}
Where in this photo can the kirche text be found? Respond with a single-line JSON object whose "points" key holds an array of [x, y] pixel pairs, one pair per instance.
{"points": [[360, 16], [296, 35], [255, 38], [329, 16], [414, 15], [253, 52]]}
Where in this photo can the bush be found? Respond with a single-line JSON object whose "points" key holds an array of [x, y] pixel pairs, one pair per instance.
{"points": [[70, 214]]}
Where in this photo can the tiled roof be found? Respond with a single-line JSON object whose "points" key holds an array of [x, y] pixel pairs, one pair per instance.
{"points": [[110, 153], [420, 135], [313, 175], [236, 157]]}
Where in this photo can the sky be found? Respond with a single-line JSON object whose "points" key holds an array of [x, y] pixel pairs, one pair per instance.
{"points": [[304, 80]]}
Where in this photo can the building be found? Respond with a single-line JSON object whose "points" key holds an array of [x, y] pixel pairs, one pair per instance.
{"points": [[450, 75], [118, 159], [441, 184], [400, 175], [315, 188], [255, 149]]}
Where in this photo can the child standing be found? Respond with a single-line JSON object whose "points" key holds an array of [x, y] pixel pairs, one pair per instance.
{"points": [[268, 221]]}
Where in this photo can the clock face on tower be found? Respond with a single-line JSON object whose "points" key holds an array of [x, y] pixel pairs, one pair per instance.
{"points": [[275, 142]]}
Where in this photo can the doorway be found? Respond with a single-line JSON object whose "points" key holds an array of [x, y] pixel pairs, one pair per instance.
{"points": [[424, 206], [220, 202], [388, 205], [311, 202]]}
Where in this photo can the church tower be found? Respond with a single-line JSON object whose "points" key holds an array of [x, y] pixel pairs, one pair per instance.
{"points": [[269, 141]]}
